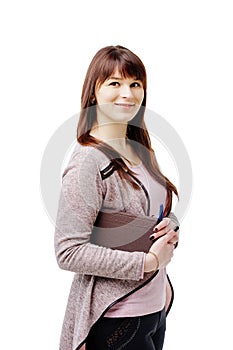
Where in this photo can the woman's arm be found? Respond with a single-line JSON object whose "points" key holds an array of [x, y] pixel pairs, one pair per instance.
{"points": [[173, 219], [80, 201]]}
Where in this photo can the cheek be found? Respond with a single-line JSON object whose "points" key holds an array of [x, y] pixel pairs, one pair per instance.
{"points": [[103, 96], [139, 96]]}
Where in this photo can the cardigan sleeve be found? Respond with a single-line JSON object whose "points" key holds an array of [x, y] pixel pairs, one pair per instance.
{"points": [[173, 218], [80, 201], [175, 221]]}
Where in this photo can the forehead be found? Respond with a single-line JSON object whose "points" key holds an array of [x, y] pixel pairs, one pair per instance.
{"points": [[116, 74]]}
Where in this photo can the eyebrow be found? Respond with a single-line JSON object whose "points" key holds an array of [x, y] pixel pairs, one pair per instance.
{"points": [[117, 78]]}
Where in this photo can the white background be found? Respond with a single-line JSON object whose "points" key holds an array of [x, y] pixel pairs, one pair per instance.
{"points": [[46, 47]]}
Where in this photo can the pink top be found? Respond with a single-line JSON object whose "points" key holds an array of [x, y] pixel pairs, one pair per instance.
{"points": [[152, 297]]}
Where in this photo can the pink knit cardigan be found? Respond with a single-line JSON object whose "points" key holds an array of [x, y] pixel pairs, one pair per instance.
{"points": [[102, 275]]}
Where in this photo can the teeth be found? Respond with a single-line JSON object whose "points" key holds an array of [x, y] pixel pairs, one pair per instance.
{"points": [[125, 105]]}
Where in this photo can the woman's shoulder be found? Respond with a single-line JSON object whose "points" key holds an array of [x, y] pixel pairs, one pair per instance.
{"points": [[88, 156]]}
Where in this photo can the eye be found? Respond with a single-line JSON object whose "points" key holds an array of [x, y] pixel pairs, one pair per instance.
{"points": [[136, 84], [114, 83]]}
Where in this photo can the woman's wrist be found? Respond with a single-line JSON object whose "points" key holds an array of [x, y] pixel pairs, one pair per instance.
{"points": [[151, 262]]}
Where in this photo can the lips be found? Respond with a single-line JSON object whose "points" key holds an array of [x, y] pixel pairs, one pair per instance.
{"points": [[125, 105]]}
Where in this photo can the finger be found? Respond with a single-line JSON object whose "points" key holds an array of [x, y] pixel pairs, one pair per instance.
{"points": [[175, 239], [157, 235], [174, 242], [161, 229], [174, 230], [171, 236], [164, 223]]}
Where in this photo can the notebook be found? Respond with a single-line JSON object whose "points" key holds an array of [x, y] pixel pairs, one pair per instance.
{"points": [[123, 231]]}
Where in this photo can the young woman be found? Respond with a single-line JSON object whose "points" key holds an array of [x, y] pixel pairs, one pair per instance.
{"points": [[118, 299]]}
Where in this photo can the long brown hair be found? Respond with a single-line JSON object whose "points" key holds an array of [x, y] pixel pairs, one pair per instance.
{"points": [[103, 64]]}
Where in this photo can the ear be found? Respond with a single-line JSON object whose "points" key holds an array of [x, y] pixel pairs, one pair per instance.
{"points": [[93, 100]]}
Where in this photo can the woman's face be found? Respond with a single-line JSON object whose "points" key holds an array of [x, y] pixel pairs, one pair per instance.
{"points": [[118, 99]]}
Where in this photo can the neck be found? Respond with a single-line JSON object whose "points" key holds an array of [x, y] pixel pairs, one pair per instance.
{"points": [[114, 134]]}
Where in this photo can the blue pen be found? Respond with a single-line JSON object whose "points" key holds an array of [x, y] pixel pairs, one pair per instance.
{"points": [[160, 218]]}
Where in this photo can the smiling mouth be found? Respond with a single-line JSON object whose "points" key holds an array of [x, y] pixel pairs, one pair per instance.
{"points": [[125, 105]]}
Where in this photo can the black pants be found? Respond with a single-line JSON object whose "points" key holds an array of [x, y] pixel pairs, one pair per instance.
{"points": [[128, 333]]}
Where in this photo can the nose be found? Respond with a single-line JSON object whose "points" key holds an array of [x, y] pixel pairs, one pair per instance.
{"points": [[125, 91]]}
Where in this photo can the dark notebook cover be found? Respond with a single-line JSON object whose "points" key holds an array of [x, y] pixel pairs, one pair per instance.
{"points": [[123, 231]]}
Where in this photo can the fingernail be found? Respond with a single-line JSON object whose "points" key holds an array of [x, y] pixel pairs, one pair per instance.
{"points": [[151, 237], [176, 228], [155, 229]]}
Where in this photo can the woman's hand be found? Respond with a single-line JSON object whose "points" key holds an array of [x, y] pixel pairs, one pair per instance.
{"points": [[162, 229], [165, 240]]}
